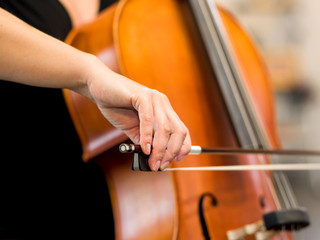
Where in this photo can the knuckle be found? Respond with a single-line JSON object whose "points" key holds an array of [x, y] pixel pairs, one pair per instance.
{"points": [[184, 132], [173, 153], [154, 92], [157, 94], [148, 118], [164, 97], [159, 154], [166, 129]]}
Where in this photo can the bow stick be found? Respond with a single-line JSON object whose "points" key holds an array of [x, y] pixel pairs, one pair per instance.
{"points": [[140, 160]]}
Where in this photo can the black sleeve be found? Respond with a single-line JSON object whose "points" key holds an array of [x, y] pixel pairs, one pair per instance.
{"points": [[49, 16], [106, 3]]}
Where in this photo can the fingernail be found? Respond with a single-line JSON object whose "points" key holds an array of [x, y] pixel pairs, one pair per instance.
{"points": [[156, 166], [164, 166], [148, 148]]}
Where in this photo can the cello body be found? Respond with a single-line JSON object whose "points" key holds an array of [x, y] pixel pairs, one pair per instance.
{"points": [[138, 205], [157, 44]]}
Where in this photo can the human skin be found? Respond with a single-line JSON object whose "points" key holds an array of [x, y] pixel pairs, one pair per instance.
{"points": [[31, 57]]}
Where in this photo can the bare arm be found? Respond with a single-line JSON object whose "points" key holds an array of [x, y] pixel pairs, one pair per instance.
{"points": [[31, 57]]}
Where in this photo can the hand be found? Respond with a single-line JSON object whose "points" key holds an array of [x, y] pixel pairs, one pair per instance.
{"points": [[145, 115], [44, 61]]}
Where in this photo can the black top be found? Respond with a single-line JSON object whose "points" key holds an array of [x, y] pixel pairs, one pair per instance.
{"points": [[48, 16], [45, 188]]}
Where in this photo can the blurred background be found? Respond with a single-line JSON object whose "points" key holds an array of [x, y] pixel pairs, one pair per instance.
{"points": [[287, 34]]}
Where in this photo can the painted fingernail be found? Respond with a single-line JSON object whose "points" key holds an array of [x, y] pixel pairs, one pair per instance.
{"points": [[156, 166], [164, 166]]}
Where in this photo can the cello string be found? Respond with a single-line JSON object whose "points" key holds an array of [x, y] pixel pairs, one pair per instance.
{"points": [[279, 181], [270, 184], [279, 185], [258, 139], [273, 192], [282, 191], [285, 180], [260, 167], [287, 186]]}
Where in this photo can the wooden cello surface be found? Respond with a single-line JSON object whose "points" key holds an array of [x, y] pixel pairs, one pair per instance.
{"points": [[138, 205], [157, 44]]}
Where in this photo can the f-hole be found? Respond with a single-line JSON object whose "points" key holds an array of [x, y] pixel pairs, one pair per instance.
{"points": [[201, 213]]}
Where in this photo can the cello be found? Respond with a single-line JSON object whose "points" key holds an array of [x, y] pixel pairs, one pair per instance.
{"points": [[200, 57]]}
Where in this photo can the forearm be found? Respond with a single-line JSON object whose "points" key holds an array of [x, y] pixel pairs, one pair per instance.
{"points": [[31, 57]]}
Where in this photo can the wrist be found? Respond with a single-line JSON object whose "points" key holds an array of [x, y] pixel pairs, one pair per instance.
{"points": [[85, 70]]}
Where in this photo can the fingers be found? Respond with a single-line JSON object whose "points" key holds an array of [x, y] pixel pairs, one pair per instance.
{"points": [[178, 147], [171, 138], [146, 126], [144, 115], [185, 149], [160, 142]]}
